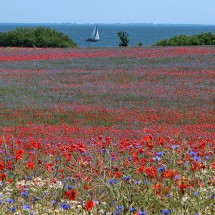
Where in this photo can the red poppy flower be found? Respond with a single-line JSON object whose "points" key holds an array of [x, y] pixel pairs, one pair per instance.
{"points": [[19, 154], [3, 176], [151, 171], [71, 194], [157, 186], [49, 166], [1, 165], [170, 173], [10, 181], [89, 205], [86, 187], [31, 165], [118, 174]]}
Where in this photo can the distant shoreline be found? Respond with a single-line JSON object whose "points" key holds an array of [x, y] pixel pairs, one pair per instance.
{"points": [[117, 24]]}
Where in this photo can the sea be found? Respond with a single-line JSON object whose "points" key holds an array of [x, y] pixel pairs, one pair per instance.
{"points": [[147, 34]]}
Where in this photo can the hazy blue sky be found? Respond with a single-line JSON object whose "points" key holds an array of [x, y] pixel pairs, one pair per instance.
{"points": [[108, 11]]}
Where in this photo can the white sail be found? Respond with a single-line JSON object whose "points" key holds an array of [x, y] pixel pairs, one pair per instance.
{"points": [[96, 34]]}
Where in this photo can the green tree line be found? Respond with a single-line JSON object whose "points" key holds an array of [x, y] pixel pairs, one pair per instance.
{"points": [[185, 40], [35, 37]]}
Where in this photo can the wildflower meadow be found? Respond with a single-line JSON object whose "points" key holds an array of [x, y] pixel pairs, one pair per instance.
{"points": [[107, 131]]}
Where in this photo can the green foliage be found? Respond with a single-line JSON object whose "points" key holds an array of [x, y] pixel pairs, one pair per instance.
{"points": [[35, 37], [185, 40], [140, 44], [123, 36]]}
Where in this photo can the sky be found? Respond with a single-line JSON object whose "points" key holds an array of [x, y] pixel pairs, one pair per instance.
{"points": [[108, 11]]}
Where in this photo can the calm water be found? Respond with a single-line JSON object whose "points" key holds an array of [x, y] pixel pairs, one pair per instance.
{"points": [[146, 34]]}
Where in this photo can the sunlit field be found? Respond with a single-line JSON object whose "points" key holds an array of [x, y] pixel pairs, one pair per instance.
{"points": [[107, 131]]}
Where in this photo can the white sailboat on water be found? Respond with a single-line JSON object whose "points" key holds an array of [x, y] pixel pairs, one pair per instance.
{"points": [[94, 36]]}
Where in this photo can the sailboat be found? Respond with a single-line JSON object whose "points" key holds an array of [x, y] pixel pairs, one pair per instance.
{"points": [[94, 36]]}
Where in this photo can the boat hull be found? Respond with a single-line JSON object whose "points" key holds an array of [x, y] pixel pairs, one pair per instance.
{"points": [[92, 40]]}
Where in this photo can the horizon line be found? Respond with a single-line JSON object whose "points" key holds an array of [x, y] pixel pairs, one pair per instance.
{"points": [[115, 23]]}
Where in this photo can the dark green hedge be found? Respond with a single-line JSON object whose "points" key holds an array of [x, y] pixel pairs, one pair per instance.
{"points": [[35, 37], [184, 40]]}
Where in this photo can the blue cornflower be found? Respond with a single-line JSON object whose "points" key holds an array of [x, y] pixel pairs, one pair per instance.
{"points": [[2, 183], [25, 193], [157, 158], [27, 207], [196, 193], [13, 209], [120, 208], [162, 168], [36, 198], [142, 213], [127, 178], [69, 187], [96, 201], [65, 206], [177, 177], [208, 157], [55, 202], [138, 182], [117, 212], [160, 154], [213, 196], [196, 158], [112, 181], [168, 195], [1, 202], [175, 146], [58, 158], [132, 209], [30, 178], [192, 153], [166, 212], [10, 200]]}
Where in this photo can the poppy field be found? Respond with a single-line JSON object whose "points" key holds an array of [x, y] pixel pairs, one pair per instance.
{"points": [[107, 131]]}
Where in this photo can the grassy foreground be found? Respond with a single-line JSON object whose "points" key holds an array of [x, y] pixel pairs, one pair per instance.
{"points": [[107, 131]]}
